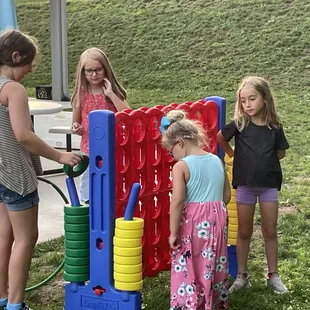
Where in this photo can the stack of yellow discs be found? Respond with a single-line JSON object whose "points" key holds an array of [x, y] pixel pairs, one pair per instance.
{"points": [[232, 205], [128, 254]]}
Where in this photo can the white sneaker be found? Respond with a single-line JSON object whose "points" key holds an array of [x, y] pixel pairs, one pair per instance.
{"points": [[276, 284], [240, 282]]}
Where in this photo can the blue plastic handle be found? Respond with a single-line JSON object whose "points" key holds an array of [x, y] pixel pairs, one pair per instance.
{"points": [[132, 202], [74, 198]]}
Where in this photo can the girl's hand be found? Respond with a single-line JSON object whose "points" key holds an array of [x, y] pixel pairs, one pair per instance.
{"points": [[107, 87], [77, 128], [174, 242], [69, 158]]}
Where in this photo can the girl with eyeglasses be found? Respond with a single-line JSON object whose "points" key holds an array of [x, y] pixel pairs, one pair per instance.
{"points": [[96, 88]]}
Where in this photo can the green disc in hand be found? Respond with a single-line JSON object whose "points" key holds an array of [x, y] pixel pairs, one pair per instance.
{"points": [[79, 169]]}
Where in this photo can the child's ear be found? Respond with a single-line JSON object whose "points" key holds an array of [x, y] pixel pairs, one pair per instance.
{"points": [[16, 57]]}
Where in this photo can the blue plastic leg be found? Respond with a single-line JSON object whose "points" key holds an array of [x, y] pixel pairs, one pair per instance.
{"points": [[232, 258]]}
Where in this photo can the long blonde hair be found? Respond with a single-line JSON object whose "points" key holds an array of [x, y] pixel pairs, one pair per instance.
{"points": [[182, 128], [270, 116], [81, 83]]}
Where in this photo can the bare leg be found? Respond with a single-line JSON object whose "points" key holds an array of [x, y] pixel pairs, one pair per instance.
{"points": [[25, 230], [245, 230], [269, 214], [6, 242]]}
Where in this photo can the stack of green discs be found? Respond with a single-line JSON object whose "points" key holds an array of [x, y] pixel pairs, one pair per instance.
{"points": [[76, 243]]}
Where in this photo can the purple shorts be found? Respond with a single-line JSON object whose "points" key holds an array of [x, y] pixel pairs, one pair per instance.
{"points": [[250, 194]]}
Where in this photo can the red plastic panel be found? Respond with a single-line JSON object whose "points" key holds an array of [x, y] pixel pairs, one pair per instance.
{"points": [[141, 158]]}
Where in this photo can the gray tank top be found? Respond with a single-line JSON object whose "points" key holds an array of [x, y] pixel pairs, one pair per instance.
{"points": [[18, 167]]}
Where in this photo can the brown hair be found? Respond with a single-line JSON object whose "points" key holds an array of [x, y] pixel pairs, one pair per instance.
{"points": [[15, 41]]}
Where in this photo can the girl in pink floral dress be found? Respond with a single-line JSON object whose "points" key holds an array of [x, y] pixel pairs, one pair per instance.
{"points": [[96, 88], [198, 218]]}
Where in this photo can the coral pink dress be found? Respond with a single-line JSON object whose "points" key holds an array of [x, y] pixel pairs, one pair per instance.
{"points": [[91, 103]]}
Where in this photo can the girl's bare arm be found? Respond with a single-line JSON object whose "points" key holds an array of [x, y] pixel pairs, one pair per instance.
{"points": [[119, 104], [227, 190], [178, 196], [224, 144], [76, 113]]}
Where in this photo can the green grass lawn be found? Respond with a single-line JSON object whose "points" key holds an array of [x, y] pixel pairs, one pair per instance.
{"points": [[167, 51]]}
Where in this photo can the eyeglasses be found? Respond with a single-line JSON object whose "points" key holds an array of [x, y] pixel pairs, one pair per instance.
{"points": [[98, 71], [170, 152]]}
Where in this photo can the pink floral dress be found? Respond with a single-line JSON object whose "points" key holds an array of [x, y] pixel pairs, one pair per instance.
{"points": [[199, 268]]}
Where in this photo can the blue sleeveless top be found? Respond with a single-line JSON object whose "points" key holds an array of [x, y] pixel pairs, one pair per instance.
{"points": [[206, 180]]}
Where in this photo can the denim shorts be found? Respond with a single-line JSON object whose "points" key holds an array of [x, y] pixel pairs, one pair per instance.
{"points": [[250, 194], [16, 202]]}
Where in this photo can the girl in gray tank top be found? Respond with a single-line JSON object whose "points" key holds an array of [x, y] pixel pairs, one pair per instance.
{"points": [[20, 149]]}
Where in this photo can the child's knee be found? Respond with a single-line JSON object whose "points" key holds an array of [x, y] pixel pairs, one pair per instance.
{"points": [[269, 232], [28, 240], [245, 232]]}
